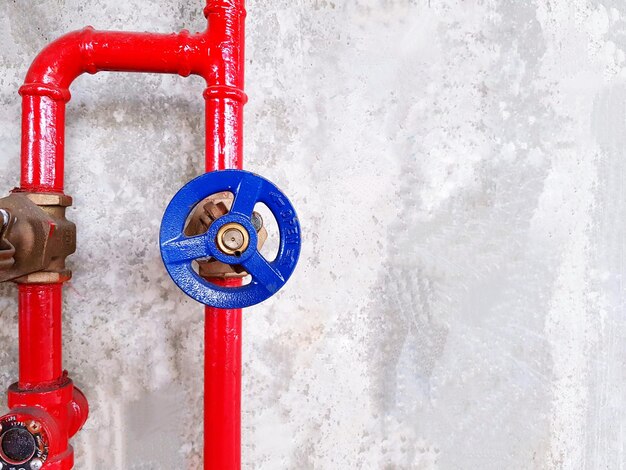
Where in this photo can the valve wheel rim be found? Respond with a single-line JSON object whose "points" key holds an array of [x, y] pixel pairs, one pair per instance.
{"points": [[179, 251]]}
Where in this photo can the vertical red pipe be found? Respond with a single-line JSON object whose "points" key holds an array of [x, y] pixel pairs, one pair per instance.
{"points": [[40, 306], [40, 335], [222, 387], [225, 99], [43, 139]]}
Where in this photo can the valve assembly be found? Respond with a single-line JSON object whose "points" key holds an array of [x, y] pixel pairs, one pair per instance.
{"points": [[231, 239], [211, 236]]}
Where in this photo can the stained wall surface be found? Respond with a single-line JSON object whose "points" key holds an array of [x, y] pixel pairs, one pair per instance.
{"points": [[458, 167]]}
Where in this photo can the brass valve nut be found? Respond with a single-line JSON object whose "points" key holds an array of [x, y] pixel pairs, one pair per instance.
{"points": [[233, 239], [41, 235]]}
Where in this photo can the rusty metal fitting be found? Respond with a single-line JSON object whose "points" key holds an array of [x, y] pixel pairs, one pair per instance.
{"points": [[207, 212], [37, 238], [33, 426]]}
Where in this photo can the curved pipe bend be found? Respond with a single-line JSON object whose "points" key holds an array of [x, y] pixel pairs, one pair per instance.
{"points": [[216, 54], [91, 51]]}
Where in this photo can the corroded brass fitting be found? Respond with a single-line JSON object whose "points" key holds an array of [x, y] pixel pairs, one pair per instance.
{"points": [[36, 239]]}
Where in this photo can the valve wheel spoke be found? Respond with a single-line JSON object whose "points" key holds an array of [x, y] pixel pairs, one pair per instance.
{"points": [[247, 195], [185, 249], [264, 273]]}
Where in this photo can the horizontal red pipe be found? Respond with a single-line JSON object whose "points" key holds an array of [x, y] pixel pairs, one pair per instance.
{"points": [[40, 335]]}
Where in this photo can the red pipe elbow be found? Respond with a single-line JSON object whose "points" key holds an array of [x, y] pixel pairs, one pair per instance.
{"points": [[46, 88], [91, 51], [57, 65]]}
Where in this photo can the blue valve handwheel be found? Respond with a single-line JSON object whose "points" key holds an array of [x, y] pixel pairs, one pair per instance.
{"points": [[179, 251]]}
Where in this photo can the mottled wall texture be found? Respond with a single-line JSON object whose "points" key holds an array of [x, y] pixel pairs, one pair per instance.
{"points": [[458, 166]]}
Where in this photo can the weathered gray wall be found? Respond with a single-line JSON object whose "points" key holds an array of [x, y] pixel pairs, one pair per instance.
{"points": [[458, 167]]}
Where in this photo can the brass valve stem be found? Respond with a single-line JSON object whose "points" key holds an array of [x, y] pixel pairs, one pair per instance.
{"points": [[233, 239]]}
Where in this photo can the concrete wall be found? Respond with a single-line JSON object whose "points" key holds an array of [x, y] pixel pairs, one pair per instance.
{"points": [[458, 168]]}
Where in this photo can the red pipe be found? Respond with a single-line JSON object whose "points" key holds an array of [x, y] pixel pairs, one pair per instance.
{"points": [[218, 56], [222, 387], [224, 149], [40, 335]]}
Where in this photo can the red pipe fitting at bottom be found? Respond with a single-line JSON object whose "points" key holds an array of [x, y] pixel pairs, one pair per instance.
{"points": [[36, 432]]}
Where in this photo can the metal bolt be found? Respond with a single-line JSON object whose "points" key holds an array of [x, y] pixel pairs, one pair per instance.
{"points": [[36, 464], [34, 427], [257, 221], [5, 218]]}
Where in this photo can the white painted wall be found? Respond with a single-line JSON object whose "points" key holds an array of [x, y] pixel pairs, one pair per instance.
{"points": [[458, 169]]}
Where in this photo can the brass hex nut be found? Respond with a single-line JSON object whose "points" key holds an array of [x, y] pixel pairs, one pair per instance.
{"points": [[45, 277], [50, 199]]}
